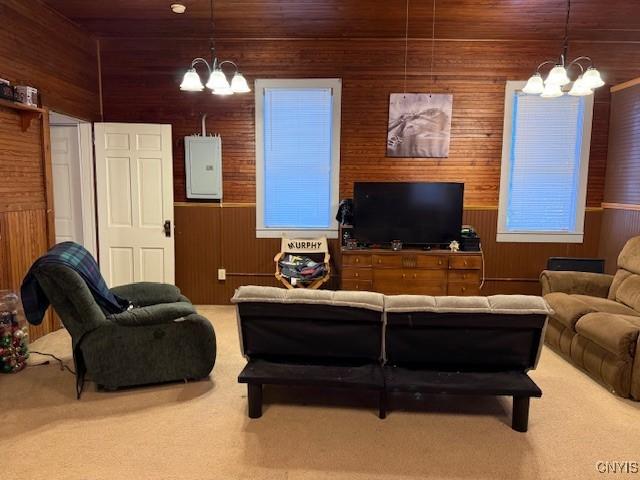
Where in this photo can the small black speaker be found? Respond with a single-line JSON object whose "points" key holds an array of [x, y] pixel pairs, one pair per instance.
{"points": [[347, 233], [470, 244], [593, 265]]}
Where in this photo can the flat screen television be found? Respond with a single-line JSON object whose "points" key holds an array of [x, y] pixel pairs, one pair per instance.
{"points": [[415, 213]]}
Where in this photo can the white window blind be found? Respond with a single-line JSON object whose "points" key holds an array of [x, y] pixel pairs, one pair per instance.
{"points": [[546, 166], [296, 188]]}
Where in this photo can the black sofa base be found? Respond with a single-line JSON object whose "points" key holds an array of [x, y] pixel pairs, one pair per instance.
{"points": [[261, 372], [392, 379], [514, 384]]}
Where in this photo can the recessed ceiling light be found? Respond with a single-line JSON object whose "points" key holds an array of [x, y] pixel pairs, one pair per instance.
{"points": [[178, 8]]}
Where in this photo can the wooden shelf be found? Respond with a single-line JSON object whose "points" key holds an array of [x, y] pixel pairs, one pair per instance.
{"points": [[27, 112]]}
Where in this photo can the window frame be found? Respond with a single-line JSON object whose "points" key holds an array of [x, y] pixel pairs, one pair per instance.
{"points": [[505, 235], [335, 84]]}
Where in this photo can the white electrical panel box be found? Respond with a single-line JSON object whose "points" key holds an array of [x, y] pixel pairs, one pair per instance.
{"points": [[203, 164]]}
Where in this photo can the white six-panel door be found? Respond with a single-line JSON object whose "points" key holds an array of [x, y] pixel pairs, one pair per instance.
{"points": [[134, 184]]}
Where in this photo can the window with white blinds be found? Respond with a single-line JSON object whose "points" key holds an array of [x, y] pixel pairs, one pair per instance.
{"points": [[544, 167], [297, 157]]}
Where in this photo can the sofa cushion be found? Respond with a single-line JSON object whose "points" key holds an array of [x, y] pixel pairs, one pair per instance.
{"points": [[253, 294], [607, 306], [629, 258], [618, 334], [620, 276], [500, 304], [629, 292], [567, 308]]}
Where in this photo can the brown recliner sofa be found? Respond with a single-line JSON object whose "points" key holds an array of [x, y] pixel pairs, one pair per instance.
{"points": [[596, 320]]}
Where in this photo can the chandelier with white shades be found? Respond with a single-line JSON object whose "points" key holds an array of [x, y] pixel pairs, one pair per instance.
{"points": [[218, 82], [588, 76]]}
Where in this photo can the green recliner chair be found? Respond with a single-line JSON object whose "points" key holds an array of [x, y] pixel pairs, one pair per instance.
{"points": [[161, 339]]}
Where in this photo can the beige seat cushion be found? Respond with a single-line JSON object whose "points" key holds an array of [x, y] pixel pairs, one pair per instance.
{"points": [[617, 334], [620, 276], [629, 258], [258, 294], [629, 292], [499, 304], [567, 308], [604, 305]]}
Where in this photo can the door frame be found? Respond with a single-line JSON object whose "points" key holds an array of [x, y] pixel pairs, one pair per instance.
{"points": [[87, 177]]}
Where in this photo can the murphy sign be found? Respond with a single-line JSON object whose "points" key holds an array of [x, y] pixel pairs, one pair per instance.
{"points": [[304, 245]]}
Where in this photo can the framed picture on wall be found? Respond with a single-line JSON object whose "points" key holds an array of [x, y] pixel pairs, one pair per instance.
{"points": [[419, 125]]}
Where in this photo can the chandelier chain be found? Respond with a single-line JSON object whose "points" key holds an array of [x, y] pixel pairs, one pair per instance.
{"points": [[566, 23], [211, 40], [433, 45], [406, 44]]}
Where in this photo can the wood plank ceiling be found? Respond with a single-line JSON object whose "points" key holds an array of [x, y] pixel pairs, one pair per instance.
{"points": [[614, 20]]}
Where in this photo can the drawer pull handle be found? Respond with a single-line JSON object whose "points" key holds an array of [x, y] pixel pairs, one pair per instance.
{"points": [[379, 261], [464, 289], [403, 275], [357, 260], [357, 275], [414, 275], [439, 262]]}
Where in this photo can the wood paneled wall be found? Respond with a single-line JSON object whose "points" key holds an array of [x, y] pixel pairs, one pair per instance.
{"points": [[623, 173], [621, 218], [41, 48], [140, 84], [140, 78], [37, 47]]}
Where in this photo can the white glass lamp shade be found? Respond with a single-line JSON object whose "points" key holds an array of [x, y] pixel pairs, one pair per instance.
{"points": [[239, 84], [223, 91], [218, 80], [552, 90], [534, 85], [191, 81], [558, 75], [592, 78], [580, 88]]}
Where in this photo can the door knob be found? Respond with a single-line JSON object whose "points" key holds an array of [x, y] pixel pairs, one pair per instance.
{"points": [[167, 228]]}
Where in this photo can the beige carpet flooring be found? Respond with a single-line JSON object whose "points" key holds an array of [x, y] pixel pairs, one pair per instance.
{"points": [[200, 430]]}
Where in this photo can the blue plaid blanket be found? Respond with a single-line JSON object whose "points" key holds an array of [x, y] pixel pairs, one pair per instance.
{"points": [[77, 258]]}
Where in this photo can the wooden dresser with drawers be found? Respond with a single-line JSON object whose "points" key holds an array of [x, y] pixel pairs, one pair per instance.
{"points": [[412, 272]]}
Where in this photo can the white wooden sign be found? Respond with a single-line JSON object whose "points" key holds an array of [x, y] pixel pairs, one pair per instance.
{"points": [[304, 245]]}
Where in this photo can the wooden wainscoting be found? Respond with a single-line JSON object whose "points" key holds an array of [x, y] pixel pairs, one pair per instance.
{"points": [[515, 267], [212, 236], [26, 205], [23, 238]]}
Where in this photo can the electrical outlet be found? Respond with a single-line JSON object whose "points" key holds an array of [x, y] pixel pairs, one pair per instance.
{"points": [[222, 274]]}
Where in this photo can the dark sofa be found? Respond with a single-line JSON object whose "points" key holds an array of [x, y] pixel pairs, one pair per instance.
{"points": [[364, 340]]}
